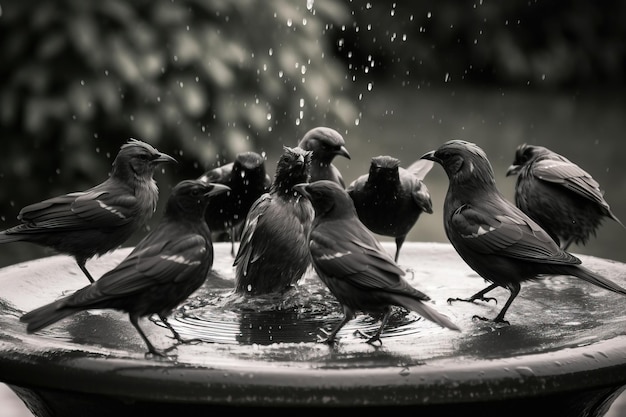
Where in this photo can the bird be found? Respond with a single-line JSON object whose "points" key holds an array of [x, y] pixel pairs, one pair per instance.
{"points": [[96, 221], [161, 271], [559, 195], [248, 180], [273, 254], [353, 264], [325, 143], [493, 236], [390, 199]]}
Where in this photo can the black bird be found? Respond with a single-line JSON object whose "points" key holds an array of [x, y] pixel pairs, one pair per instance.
{"points": [[559, 195], [273, 253], [390, 199], [326, 144], [165, 268], [93, 222], [352, 263], [248, 180], [494, 237]]}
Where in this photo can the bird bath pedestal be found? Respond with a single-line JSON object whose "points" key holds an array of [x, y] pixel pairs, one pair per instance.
{"points": [[565, 349]]}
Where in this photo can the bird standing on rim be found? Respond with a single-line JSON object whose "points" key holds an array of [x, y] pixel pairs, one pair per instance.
{"points": [[165, 268], [326, 144], [93, 222], [494, 237], [352, 263], [248, 180], [390, 199], [559, 195], [273, 253]]}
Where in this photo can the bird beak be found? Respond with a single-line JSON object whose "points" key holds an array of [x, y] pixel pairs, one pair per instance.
{"points": [[343, 151], [163, 157], [215, 188], [301, 189], [513, 170], [431, 156]]}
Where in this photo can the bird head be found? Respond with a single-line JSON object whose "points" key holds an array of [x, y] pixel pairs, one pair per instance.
{"points": [[250, 161], [139, 159], [384, 166], [326, 144], [524, 154], [463, 162], [293, 167], [327, 197], [249, 166], [191, 197]]}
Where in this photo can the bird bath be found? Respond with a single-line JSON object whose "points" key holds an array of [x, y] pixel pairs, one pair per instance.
{"points": [[565, 347]]}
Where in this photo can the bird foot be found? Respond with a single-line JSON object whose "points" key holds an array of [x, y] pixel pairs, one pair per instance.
{"points": [[194, 341], [328, 338], [472, 299], [160, 355], [497, 320], [370, 339]]}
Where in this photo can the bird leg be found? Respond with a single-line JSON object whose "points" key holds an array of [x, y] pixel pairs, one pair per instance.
{"points": [[232, 241], [567, 244], [514, 289], [177, 335], [480, 295], [399, 242], [134, 320], [330, 337], [376, 336], [81, 265]]}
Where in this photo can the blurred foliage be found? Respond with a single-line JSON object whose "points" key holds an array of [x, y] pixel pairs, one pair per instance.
{"points": [[521, 43], [201, 80]]}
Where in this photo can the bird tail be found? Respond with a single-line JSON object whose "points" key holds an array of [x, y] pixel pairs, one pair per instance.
{"points": [[425, 311], [45, 316], [596, 279], [9, 237]]}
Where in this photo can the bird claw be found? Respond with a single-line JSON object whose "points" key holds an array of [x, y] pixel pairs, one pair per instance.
{"points": [[327, 339], [471, 300], [194, 341], [156, 354], [370, 339], [497, 320]]}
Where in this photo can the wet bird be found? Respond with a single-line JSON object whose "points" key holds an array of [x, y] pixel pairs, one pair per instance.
{"points": [[93, 222], [273, 253], [163, 269], [493, 236], [355, 267], [326, 144], [390, 199], [559, 195], [248, 180]]}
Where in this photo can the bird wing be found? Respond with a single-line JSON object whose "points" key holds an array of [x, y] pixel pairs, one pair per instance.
{"points": [[249, 250], [93, 208], [420, 168], [153, 261], [419, 192], [220, 175], [570, 176], [503, 229], [345, 250]]}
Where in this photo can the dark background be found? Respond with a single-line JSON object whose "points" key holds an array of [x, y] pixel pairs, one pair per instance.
{"points": [[203, 80]]}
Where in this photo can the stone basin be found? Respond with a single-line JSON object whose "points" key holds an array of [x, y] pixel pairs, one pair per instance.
{"points": [[565, 347]]}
